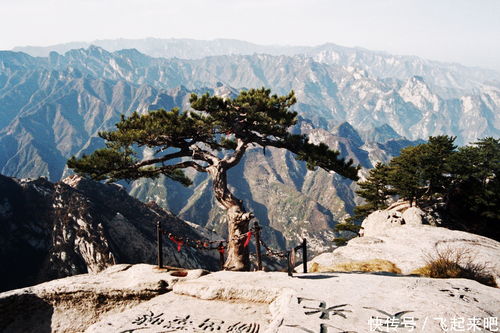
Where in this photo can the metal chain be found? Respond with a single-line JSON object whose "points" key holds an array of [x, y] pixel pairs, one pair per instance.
{"points": [[272, 252]]}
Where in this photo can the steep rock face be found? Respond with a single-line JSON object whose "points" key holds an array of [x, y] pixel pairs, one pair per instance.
{"points": [[77, 226]]}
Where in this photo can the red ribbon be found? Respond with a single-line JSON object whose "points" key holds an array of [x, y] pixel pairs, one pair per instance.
{"points": [[247, 241], [221, 249], [178, 242]]}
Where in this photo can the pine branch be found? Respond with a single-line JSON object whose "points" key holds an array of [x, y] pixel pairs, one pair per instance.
{"points": [[233, 159], [203, 155]]}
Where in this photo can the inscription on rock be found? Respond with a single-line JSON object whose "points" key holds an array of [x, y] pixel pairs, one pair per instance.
{"points": [[161, 323]]}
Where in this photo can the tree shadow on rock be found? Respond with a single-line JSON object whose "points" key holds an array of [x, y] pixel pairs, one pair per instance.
{"points": [[315, 276]]}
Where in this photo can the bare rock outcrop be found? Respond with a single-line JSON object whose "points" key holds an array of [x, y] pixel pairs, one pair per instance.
{"points": [[408, 246], [398, 214], [52, 230]]}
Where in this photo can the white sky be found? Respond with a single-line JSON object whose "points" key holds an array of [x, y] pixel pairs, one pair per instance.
{"points": [[464, 31]]}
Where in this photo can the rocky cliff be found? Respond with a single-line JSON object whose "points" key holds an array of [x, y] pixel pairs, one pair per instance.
{"points": [[51, 230]]}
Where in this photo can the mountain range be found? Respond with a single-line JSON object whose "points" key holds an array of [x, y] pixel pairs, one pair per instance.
{"points": [[379, 64], [417, 98], [366, 104]]}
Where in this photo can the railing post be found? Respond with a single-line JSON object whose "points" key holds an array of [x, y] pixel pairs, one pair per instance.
{"points": [[304, 254], [257, 245], [220, 248], [289, 263], [160, 244]]}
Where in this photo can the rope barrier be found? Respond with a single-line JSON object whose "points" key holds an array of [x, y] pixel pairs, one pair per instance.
{"points": [[222, 244], [206, 244]]}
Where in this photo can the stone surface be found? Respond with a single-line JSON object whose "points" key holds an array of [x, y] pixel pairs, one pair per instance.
{"points": [[72, 304], [413, 216], [407, 246], [397, 214], [127, 298], [175, 313], [339, 302], [379, 221]]}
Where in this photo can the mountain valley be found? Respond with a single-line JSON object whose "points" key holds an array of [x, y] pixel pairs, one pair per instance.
{"points": [[368, 105]]}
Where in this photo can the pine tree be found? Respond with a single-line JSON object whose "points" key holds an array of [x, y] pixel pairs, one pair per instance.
{"points": [[406, 174], [423, 169], [435, 162], [465, 183], [375, 190], [212, 138], [474, 195]]}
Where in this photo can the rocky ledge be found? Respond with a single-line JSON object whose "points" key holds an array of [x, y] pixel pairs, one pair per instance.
{"points": [[406, 238], [408, 247], [140, 298], [72, 304]]}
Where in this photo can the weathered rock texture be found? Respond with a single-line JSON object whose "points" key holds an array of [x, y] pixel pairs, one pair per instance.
{"points": [[343, 302], [408, 246], [398, 214], [72, 304], [138, 298], [76, 226]]}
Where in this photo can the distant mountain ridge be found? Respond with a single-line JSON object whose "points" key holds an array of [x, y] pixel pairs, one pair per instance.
{"points": [[450, 76], [327, 94]]}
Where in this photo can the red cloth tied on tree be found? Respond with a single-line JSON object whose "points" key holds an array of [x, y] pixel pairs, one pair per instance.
{"points": [[247, 241], [179, 242], [221, 249]]}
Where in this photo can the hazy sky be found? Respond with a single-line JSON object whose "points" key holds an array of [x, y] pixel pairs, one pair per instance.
{"points": [[464, 31]]}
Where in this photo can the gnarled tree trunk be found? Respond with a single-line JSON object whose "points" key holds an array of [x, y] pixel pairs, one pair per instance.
{"points": [[237, 219]]}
